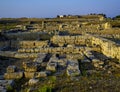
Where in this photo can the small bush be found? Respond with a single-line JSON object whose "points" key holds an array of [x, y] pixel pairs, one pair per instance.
{"points": [[45, 89], [10, 88]]}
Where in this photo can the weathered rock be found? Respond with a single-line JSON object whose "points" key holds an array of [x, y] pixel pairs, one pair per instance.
{"points": [[52, 64], [73, 68], [108, 48], [33, 81], [31, 66], [15, 75], [11, 69], [35, 74], [97, 63]]}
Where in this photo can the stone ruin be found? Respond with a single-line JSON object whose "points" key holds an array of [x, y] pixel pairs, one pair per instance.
{"points": [[57, 53], [73, 68]]}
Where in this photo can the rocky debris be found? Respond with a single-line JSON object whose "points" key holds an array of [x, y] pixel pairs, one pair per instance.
{"points": [[12, 73], [4, 84], [89, 55], [114, 64], [41, 57], [97, 63], [90, 72], [51, 66], [62, 62], [61, 56], [31, 66], [73, 68], [33, 81]]}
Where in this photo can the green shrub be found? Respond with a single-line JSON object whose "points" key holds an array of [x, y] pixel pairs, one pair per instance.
{"points": [[45, 89], [10, 88]]}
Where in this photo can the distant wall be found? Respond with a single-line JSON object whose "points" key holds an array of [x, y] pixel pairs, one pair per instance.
{"points": [[73, 40], [27, 36], [28, 44]]}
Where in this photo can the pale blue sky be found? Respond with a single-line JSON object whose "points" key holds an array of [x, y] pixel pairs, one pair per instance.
{"points": [[51, 8]]}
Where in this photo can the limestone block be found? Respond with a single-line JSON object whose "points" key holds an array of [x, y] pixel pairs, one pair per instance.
{"points": [[27, 50], [33, 81], [19, 55], [40, 74], [35, 74], [52, 64], [73, 68], [97, 63], [61, 44], [74, 72], [29, 74], [36, 50], [15, 75], [62, 62], [30, 66], [11, 69], [32, 50]]}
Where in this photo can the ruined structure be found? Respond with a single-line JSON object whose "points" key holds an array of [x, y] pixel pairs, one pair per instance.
{"points": [[59, 44]]}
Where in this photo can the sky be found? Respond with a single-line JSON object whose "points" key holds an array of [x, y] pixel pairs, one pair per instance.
{"points": [[52, 8]]}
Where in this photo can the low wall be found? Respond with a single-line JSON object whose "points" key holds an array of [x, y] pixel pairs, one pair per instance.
{"points": [[108, 48], [28, 44], [75, 50], [14, 54], [32, 44], [75, 40]]}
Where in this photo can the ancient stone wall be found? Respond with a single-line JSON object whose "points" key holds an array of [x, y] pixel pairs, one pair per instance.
{"points": [[32, 44], [14, 54], [27, 44], [108, 48], [53, 50], [73, 40]]}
